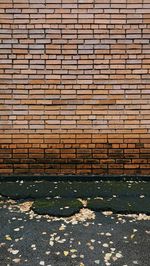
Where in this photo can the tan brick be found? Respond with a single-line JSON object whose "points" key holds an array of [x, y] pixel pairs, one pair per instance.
{"points": [[74, 82]]}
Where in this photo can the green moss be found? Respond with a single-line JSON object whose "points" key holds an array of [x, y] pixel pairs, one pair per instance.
{"points": [[121, 205], [57, 207], [17, 190], [12, 190], [127, 200], [75, 189]]}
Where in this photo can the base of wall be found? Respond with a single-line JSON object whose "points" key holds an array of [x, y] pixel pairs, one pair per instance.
{"points": [[80, 154], [83, 178]]}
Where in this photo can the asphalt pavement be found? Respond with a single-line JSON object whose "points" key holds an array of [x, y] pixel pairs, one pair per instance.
{"points": [[86, 239]]}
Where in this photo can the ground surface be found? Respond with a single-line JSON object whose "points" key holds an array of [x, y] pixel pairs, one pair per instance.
{"points": [[62, 198], [92, 235], [29, 240]]}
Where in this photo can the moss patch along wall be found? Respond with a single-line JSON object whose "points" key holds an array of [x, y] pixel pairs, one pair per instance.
{"points": [[75, 87]]}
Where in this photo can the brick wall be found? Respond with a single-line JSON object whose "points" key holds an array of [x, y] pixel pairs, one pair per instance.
{"points": [[75, 86]]}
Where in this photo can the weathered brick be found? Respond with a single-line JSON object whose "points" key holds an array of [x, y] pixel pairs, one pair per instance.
{"points": [[74, 87]]}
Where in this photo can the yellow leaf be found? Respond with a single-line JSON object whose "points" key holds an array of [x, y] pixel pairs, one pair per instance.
{"points": [[62, 227], [66, 253], [8, 237]]}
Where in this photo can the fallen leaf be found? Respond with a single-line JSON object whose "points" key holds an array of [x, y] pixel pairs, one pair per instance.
{"points": [[105, 245], [7, 237], [107, 213], [73, 256], [107, 256], [134, 230], [57, 253], [57, 238], [26, 206], [135, 262], [51, 243], [17, 260], [66, 253], [62, 227], [91, 247], [108, 234], [73, 250], [97, 261], [13, 251], [147, 232], [16, 229], [42, 263], [119, 255], [84, 202], [11, 201], [132, 236]]}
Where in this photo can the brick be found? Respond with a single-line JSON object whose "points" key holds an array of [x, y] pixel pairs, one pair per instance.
{"points": [[74, 87]]}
